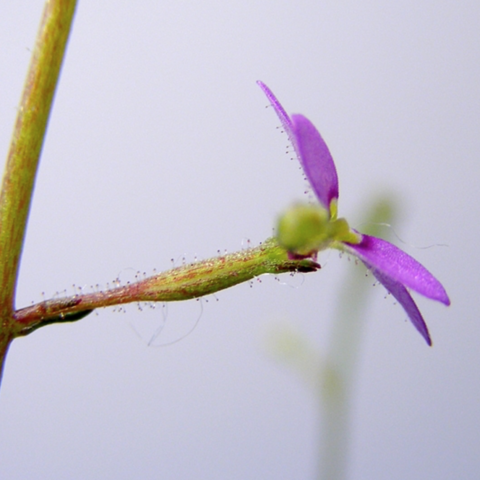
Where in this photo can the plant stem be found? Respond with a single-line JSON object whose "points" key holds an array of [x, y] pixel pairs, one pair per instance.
{"points": [[25, 148], [182, 283]]}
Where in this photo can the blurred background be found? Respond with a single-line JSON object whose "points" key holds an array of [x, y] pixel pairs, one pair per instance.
{"points": [[160, 147]]}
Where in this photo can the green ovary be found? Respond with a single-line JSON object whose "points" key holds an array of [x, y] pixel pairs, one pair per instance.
{"points": [[305, 229]]}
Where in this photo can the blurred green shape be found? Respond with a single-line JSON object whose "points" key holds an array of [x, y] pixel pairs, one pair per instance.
{"points": [[344, 351]]}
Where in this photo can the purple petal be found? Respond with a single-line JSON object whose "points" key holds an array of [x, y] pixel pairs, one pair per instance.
{"points": [[316, 160], [389, 261], [311, 151], [406, 301], [279, 110]]}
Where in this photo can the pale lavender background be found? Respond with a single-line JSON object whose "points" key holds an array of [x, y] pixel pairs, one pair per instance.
{"points": [[159, 146]]}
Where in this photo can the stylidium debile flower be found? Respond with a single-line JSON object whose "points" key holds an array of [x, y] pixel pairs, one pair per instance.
{"points": [[305, 229]]}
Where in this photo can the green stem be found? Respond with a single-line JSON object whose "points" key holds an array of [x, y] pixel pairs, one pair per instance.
{"points": [[25, 148], [183, 283]]}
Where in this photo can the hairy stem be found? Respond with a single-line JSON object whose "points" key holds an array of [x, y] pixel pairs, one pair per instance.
{"points": [[182, 283]]}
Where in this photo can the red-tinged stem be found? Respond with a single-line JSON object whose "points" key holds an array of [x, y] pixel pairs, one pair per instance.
{"points": [[183, 283]]}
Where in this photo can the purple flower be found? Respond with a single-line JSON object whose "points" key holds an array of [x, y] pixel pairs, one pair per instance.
{"points": [[309, 229]]}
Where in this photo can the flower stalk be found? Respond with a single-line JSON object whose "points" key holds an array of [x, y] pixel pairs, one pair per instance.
{"points": [[183, 283]]}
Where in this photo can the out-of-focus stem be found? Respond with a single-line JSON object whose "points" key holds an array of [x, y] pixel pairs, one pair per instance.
{"points": [[343, 357]]}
